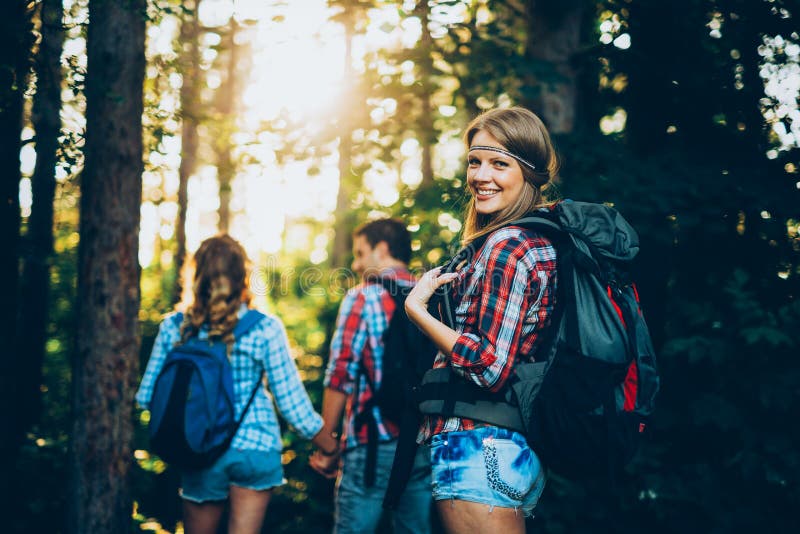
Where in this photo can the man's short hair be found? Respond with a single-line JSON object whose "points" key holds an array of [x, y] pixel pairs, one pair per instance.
{"points": [[393, 232]]}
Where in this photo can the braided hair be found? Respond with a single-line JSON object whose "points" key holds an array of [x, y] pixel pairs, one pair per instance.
{"points": [[218, 289]]}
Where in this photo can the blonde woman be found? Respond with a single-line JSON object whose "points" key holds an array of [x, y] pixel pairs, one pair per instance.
{"points": [[487, 478], [247, 472]]}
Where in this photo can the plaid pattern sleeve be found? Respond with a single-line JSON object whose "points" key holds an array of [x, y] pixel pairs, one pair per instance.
{"points": [[168, 335], [513, 278], [286, 386], [348, 343], [266, 348]]}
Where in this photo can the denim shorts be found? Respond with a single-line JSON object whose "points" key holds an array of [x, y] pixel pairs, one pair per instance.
{"points": [[488, 465], [257, 470]]}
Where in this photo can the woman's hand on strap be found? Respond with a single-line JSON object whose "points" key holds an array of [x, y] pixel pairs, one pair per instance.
{"points": [[432, 280], [417, 309]]}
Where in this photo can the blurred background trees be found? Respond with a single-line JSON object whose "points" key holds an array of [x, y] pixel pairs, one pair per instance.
{"points": [[288, 123]]}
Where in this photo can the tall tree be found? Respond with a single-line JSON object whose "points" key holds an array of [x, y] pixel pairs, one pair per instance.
{"points": [[347, 177], [105, 367], [227, 97], [16, 40], [38, 244], [190, 93], [417, 90]]}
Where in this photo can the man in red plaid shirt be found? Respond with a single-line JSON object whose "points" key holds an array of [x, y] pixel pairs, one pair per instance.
{"points": [[381, 250]]}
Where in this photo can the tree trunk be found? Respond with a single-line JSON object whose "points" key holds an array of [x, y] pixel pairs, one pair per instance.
{"points": [[16, 40], [554, 37], [227, 95], [39, 238], [342, 226], [190, 93], [105, 367]]}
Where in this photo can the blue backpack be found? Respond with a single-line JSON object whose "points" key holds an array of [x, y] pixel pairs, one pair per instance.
{"points": [[192, 410]]}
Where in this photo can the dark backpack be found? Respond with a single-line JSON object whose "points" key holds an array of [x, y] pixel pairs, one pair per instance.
{"points": [[405, 351], [407, 355], [192, 410], [584, 404]]}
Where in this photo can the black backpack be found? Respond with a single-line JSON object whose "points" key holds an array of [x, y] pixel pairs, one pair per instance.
{"points": [[405, 353], [585, 402]]}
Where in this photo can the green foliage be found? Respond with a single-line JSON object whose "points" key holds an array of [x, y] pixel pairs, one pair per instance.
{"points": [[43, 457]]}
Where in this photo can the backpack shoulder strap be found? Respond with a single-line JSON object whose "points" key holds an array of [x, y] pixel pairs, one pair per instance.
{"points": [[176, 320], [537, 222], [246, 322]]}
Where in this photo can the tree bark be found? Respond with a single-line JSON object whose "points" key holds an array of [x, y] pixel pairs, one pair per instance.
{"points": [[554, 37], [39, 238], [16, 41], [190, 93], [105, 367]]}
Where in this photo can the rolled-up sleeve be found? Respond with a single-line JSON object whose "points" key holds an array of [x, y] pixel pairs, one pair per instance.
{"points": [[287, 388], [485, 351]]}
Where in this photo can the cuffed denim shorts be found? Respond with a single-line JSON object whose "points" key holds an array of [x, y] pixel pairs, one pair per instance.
{"points": [[488, 465], [257, 470]]}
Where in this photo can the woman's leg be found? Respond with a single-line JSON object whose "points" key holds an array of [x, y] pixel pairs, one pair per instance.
{"points": [[248, 507], [202, 517], [464, 517]]}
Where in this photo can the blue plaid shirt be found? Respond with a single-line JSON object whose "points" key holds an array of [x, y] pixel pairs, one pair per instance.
{"points": [[266, 347]]}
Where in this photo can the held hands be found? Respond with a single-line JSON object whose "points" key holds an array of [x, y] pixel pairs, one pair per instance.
{"points": [[326, 465], [417, 300]]}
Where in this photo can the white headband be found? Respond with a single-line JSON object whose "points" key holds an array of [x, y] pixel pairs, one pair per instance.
{"points": [[504, 152]]}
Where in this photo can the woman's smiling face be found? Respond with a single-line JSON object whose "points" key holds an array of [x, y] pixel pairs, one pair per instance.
{"points": [[495, 180]]}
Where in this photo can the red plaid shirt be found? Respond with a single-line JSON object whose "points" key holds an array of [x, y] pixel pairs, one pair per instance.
{"points": [[357, 345], [505, 297]]}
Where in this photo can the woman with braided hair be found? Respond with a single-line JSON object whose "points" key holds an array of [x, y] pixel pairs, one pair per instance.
{"points": [[247, 472], [487, 478]]}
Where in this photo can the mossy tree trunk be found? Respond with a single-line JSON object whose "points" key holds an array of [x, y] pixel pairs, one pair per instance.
{"points": [[105, 366]]}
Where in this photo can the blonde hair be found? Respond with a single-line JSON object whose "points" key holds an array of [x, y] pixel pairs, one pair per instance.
{"points": [[522, 133], [218, 289]]}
